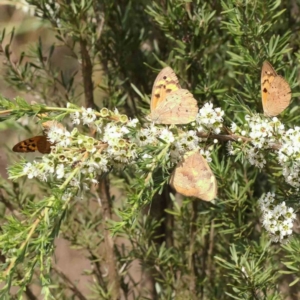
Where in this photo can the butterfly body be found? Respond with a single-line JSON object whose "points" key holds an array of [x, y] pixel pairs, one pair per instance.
{"points": [[169, 103], [36, 143], [275, 91], [192, 177]]}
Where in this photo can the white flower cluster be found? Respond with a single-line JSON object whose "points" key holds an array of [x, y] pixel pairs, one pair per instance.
{"points": [[264, 134], [255, 157], [188, 142], [72, 149], [210, 119], [150, 135], [117, 147], [289, 156], [277, 219], [87, 116]]}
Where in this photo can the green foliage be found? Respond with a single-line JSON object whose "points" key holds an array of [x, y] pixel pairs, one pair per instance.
{"points": [[186, 248]]}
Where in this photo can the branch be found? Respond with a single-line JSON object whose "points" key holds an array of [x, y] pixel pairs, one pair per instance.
{"points": [[233, 137], [87, 73], [113, 276]]}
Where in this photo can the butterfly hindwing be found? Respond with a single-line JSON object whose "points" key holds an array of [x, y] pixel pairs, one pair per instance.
{"points": [[192, 177], [179, 107]]}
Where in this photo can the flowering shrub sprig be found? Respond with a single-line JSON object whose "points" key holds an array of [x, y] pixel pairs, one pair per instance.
{"points": [[119, 142], [277, 219]]}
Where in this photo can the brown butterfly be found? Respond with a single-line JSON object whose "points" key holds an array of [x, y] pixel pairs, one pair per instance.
{"points": [[36, 143], [169, 103], [275, 91], [192, 177]]}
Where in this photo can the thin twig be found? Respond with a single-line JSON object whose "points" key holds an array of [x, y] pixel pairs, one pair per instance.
{"points": [[193, 232], [28, 292], [234, 137], [97, 268], [210, 251], [70, 284]]}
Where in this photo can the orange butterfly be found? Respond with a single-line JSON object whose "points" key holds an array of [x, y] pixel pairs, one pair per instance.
{"points": [[170, 104], [36, 143], [275, 91], [192, 177]]}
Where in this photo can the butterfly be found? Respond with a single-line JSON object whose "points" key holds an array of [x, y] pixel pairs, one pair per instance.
{"points": [[275, 91], [170, 104], [36, 143], [192, 177], [40, 142]]}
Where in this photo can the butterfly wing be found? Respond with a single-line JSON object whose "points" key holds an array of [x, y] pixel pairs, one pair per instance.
{"points": [[275, 91], [179, 107], [193, 177], [33, 144], [165, 83]]}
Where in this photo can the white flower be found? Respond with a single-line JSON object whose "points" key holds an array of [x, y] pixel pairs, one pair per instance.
{"points": [[75, 117], [102, 162], [206, 154], [88, 115], [60, 171], [230, 148], [147, 135], [65, 140], [209, 118], [167, 135], [112, 134], [133, 122], [48, 164], [256, 158], [30, 170], [121, 156], [233, 127], [124, 129]]}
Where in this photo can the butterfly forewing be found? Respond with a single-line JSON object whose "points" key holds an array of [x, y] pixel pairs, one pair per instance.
{"points": [[165, 83], [36, 143]]}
